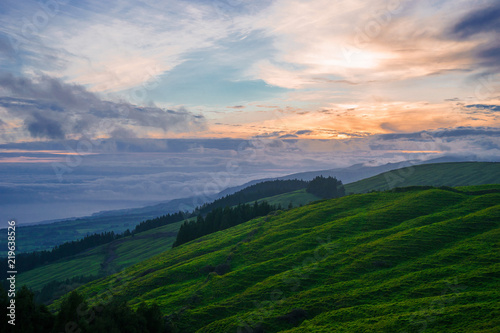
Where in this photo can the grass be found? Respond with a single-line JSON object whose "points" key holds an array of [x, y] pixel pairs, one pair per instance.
{"points": [[104, 259], [377, 262], [85, 264], [438, 174], [297, 198], [46, 236]]}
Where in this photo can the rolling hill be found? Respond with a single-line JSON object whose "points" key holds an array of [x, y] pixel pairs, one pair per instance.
{"points": [[439, 174], [102, 260], [122, 253], [400, 261], [45, 236], [119, 254]]}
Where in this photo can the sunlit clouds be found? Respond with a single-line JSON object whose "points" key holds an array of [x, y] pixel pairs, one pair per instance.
{"points": [[335, 69]]}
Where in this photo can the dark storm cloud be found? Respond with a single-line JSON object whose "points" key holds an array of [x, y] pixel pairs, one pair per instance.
{"points": [[53, 109]]}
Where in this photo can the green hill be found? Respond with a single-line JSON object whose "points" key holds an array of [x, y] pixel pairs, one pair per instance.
{"points": [[41, 237], [119, 254], [46, 236], [124, 252], [402, 261], [438, 174], [102, 260]]}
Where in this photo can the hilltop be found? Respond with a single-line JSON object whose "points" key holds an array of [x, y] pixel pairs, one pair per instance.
{"points": [[439, 174]]}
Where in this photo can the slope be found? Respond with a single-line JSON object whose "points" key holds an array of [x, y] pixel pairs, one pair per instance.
{"points": [[383, 262], [113, 257], [438, 174], [105, 259], [46, 236]]}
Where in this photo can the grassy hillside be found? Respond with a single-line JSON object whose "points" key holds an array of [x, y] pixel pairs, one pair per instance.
{"points": [[379, 262], [45, 236], [297, 198], [105, 259], [124, 252], [439, 174], [127, 251]]}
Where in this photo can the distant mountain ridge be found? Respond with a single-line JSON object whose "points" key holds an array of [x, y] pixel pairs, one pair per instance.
{"points": [[360, 171]]}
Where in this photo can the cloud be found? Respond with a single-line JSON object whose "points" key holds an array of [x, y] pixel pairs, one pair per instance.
{"points": [[52, 109], [484, 107], [484, 22], [479, 21], [41, 127], [288, 136], [140, 170], [487, 132], [111, 46]]}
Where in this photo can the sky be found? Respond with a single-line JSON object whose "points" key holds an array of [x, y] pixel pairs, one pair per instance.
{"points": [[309, 84]]}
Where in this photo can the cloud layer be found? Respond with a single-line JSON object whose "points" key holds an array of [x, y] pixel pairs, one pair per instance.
{"points": [[133, 172], [48, 108]]}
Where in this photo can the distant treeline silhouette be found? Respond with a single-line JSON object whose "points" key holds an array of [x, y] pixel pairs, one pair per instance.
{"points": [[326, 188], [254, 192], [31, 260], [160, 221], [75, 315]]}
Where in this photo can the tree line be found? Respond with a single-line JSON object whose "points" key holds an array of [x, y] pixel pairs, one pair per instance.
{"points": [[220, 219], [326, 188], [75, 315], [31, 260], [159, 222], [254, 192]]}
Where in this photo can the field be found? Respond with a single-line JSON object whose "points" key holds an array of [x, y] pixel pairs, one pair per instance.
{"points": [[402, 261], [105, 259], [46, 236], [297, 198]]}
